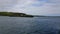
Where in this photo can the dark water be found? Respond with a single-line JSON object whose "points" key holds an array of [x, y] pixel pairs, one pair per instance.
{"points": [[21, 25]]}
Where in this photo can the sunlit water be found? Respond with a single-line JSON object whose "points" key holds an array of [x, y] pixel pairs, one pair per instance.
{"points": [[36, 25]]}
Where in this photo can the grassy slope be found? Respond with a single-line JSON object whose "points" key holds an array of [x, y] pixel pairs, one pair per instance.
{"points": [[14, 14]]}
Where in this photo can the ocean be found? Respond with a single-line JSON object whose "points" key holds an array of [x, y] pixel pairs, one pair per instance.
{"points": [[27, 25]]}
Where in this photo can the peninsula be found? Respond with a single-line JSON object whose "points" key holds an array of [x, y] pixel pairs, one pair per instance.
{"points": [[12, 14]]}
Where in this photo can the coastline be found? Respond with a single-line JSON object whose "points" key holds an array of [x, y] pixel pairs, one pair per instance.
{"points": [[11, 14]]}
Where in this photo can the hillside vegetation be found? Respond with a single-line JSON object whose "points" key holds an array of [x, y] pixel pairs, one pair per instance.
{"points": [[11, 14]]}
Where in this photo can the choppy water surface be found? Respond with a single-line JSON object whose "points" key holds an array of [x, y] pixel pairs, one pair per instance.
{"points": [[21, 25]]}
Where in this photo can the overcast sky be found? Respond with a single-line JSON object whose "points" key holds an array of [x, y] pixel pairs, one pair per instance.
{"points": [[35, 7]]}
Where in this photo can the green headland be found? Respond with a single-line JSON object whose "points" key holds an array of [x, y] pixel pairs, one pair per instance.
{"points": [[12, 14]]}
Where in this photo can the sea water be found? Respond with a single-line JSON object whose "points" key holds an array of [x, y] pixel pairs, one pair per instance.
{"points": [[27, 25]]}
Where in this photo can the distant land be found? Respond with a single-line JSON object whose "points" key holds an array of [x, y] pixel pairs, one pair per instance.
{"points": [[15, 14], [47, 16], [12, 14]]}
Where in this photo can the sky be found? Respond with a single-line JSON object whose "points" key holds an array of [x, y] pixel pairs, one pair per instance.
{"points": [[33, 7]]}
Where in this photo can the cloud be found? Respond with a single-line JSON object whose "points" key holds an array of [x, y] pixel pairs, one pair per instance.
{"points": [[36, 7], [7, 4]]}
